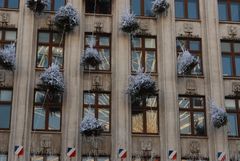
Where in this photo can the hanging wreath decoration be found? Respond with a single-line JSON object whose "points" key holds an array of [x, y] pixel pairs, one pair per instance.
{"points": [[218, 115], [159, 6], [8, 57], [37, 6], [129, 23]]}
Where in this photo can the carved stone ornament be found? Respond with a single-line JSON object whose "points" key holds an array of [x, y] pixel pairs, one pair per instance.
{"points": [[232, 31], [194, 147], [146, 145], [97, 83], [98, 26], [236, 88], [188, 31], [191, 86], [5, 18], [45, 141]]}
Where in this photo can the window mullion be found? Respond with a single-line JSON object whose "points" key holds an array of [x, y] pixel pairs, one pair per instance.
{"points": [[46, 117], [185, 8]]}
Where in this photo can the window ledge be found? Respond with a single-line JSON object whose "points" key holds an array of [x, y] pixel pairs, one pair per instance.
{"points": [[97, 72], [5, 131], [46, 132], [229, 22], [146, 135], [189, 20], [43, 69], [231, 78], [9, 9], [193, 137], [98, 14], [147, 17], [233, 138], [191, 76]]}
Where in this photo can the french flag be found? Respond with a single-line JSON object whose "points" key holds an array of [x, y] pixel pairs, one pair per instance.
{"points": [[122, 153], [71, 152], [18, 149], [172, 154], [221, 156]]}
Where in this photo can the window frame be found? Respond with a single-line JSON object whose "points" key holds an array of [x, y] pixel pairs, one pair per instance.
{"points": [[97, 157], [143, 108], [3, 40], [6, 5], [232, 54], [45, 156], [191, 110], [142, 9], [8, 103], [97, 47], [96, 106], [50, 44], [144, 50], [237, 112], [228, 9], [52, 3], [186, 14], [98, 8], [46, 108], [193, 52]]}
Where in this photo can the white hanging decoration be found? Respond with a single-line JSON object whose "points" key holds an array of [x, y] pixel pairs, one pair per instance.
{"points": [[66, 18], [141, 86], [8, 57], [37, 6], [52, 79], [129, 23], [91, 55], [159, 6], [90, 126], [218, 115], [186, 61]]}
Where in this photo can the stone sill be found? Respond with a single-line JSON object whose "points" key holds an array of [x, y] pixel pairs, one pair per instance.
{"points": [[191, 76], [189, 20], [98, 15], [193, 137], [229, 22], [231, 78], [145, 135], [46, 132]]}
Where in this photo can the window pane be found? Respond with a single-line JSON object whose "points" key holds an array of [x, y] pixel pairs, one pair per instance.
{"points": [[225, 47], [199, 123], [136, 42], [179, 8], [227, 65], [236, 47], [103, 159], [5, 116], [89, 6], [3, 157], [194, 45], [136, 60], [150, 61], [57, 56], [104, 41], [185, 123], [37, 158], [39, 96], [150, 43], [237, 63], [147, 8], [43, 37], [151, 102], [152, 121], [192, 9], [136, 7], [13, 3], [53, 158], [103, 99], [105, 55], [137, 121], [222, 10], [103, 118], [232, 125], [87, 159], [39, 118], [198, 68], [90, 38], [1, 3], [184, 102], [90, 111], [230, 104], [198, 103], [57, 38], [235, 11], [58, 4], [5, 95], [104, 6], [54, 119], [42, 56], [89, 98], [10, 35]]}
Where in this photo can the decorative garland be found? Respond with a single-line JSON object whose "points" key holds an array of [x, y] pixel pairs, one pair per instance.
{"points": [[159, 6], [66, 18], [52, 79], [129, 23], [37, 6], [218, 115], [8, 57]]}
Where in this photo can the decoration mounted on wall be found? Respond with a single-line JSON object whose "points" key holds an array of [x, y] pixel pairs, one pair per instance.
{"points": [[52, 79], [8, 57], [172, 154], [221, 156], [186, 62], [129, 23], [18, 150], [37, 6], [159, 7], [122, 153], [71, 152], [90, 126], [66, 18], [141, 86], [218, 115]]}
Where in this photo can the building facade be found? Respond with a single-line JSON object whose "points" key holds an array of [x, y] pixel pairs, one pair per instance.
{"points": [[177, 119]]}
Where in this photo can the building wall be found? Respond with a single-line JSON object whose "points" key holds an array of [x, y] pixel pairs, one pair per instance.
{"points": [[212, 85]]}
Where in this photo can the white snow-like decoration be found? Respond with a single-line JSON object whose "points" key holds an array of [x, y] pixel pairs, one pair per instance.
{"points": [[186, 62], [52, 78], [129, 23], [159, 6], [91, 55], [90, 125], [218, 115], [141, 86], [37, 6], [66, 18], [8, 57]]}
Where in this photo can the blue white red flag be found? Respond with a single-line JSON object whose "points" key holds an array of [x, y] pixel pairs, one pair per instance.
{"points": [[122, 153], [221, 156], [18, 149], [71, 152], [172, 154]]}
